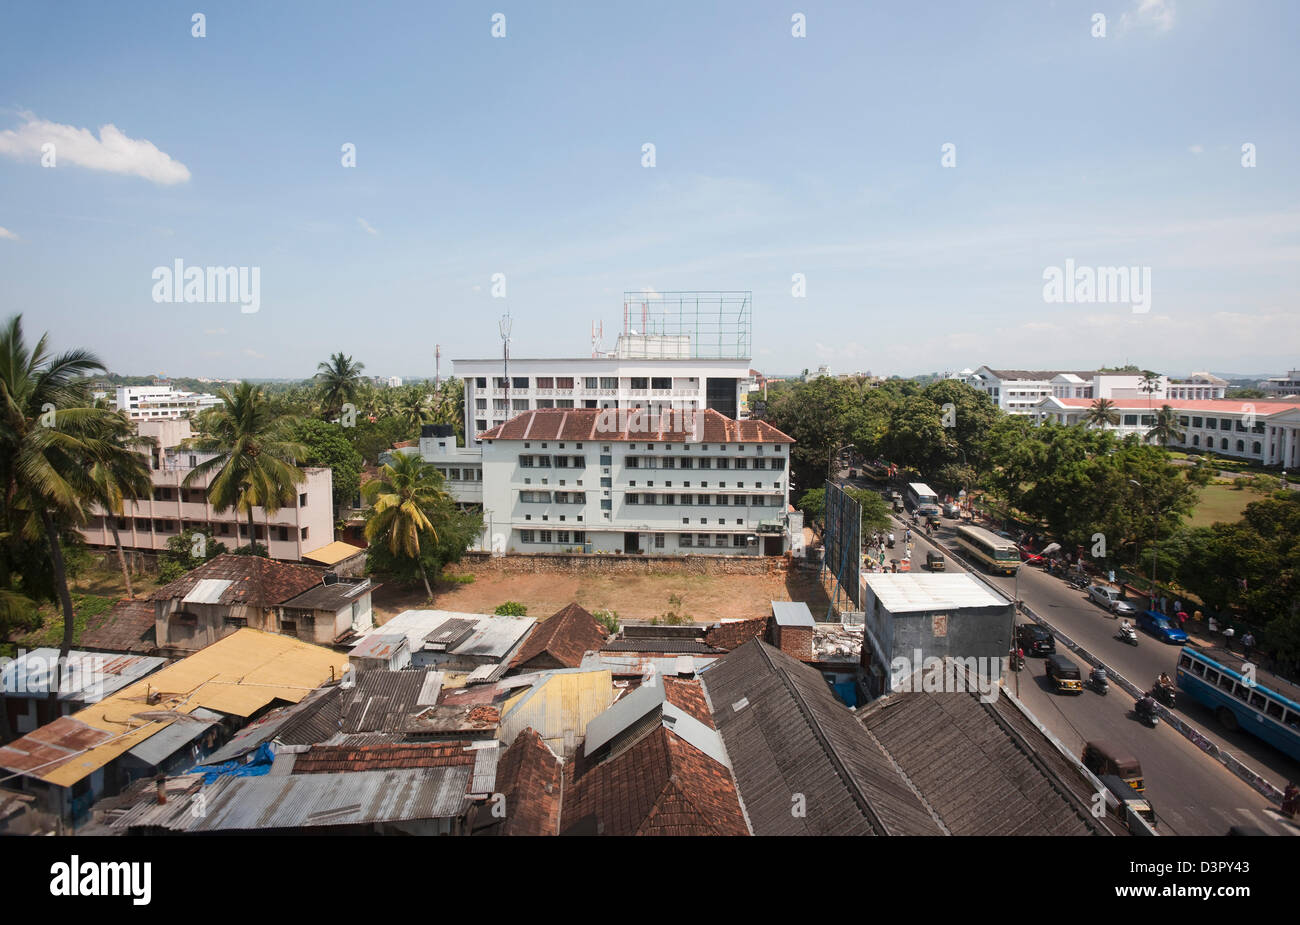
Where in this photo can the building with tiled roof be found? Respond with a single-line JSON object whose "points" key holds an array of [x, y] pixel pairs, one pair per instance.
{"points": [[231, 591], [560, 641], [626, 481], [530, 780], [1019, 391], [654, 768], [128, 627]]}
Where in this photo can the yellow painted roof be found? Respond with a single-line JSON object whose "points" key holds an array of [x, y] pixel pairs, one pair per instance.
{"points": [[237, 675], [333, 553]]}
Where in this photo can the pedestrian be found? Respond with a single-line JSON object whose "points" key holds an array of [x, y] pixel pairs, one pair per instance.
{"points": [[1178, 606], [1197, 617], [1248, 642], [1214, 624], [1228, 633], [1164, 604]]}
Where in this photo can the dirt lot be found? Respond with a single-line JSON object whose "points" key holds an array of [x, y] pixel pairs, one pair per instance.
{"points": [[706, 598]]}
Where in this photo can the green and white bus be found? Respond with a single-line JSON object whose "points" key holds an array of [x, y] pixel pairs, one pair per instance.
{"points": [[995, 553]]}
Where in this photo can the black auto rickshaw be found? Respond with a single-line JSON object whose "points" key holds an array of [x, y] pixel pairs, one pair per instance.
{"points": [[1128, 799], [1102, 758], [934, 561], [1064, 675]]}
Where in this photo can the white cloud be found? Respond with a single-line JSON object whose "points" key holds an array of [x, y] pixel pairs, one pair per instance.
{"points": [[365, 226], [1196, 149], [112, 151], [7, 234], [211, 331], [1158, 14]]}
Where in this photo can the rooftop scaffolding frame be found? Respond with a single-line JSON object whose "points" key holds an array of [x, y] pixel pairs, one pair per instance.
{"points": [[716, 324]]}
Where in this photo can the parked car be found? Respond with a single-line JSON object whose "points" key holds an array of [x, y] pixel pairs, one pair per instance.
{"points": [[1161, 627], [1109, 598], [1035, 640]]}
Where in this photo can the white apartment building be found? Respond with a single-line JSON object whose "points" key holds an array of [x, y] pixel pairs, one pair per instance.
{"points": [[303, 526], [583, 480], [627, 379], [1282, 386], [161, 402], [1019, 391], [1265, 431]]}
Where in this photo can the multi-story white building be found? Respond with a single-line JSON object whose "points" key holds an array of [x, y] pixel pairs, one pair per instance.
{"points": [[642, 373], [300, 527], [1282, 386], [586, 480], [1266, 431], [1019, 391], [161, 402]]}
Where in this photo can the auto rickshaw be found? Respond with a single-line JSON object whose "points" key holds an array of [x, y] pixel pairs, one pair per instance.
{"points": [[934, 561], [1064, 675], [1102, 758], [1127, 799]]}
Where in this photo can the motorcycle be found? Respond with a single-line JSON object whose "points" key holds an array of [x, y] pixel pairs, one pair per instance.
{"points": [[1098, 681], [1146, 712], [1078, 581], [1127, 634], [1017, 661], [1163, 694], [890, 542]]}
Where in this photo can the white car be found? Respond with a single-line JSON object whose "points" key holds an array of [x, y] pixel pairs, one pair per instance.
{"points": [[1110, 599]]}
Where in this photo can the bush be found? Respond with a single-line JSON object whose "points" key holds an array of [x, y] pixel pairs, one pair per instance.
{"points": [[459, 579], [511, 609], [608, 619]]}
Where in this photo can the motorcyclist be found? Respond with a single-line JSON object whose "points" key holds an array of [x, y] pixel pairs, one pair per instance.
{"points": [[1146, 706], [1290, 799], [1125, 628], [1164, 681]]}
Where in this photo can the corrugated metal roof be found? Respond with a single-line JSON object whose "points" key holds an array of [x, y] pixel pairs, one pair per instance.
{"points": [[237, 675], [487, 756], [207, 591], [559, 708], [89, 676], [492, 637], [924, 591], [162, 745], [638, 666], [333, 553], [791, 613], [246, 804], [620, 716]]}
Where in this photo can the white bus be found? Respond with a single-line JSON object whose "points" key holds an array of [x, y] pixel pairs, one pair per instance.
{"points": [[996, 553], [922, 499]]}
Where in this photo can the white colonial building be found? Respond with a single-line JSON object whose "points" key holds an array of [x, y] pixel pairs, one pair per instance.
{"points": [[1282, 386], [1019, 391], [1265, 431], [587, 480], [161, 402]]}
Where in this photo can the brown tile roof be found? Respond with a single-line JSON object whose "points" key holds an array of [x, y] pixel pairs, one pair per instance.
{"points": [[128, 627], [403, 444], [735, 633], [561, 640], [332, 759], [592, 424], [444, 720], [529, 779], [51, 745], [255, 581], [688, 697], [660, 786]]}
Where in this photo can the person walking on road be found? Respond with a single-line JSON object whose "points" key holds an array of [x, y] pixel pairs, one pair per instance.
{"points": [[1248, 642], [1228, 633]]}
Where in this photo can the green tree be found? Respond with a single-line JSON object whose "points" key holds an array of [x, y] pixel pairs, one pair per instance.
{"points": [[256, 456], [51, 437], [120, 477], [1102, 412], [187, 551], [406, 497], [511, 609], [875, 513], [1166, 427], [328, 446], [339, 380]]}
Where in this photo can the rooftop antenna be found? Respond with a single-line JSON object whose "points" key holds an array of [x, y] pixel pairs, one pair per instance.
{"points": [[597, 337], [504, 326], [437, 367]]}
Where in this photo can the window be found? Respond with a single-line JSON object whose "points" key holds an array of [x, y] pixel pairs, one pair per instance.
{"points": [[535, 497], [632, 462], [1130, 420], [721, 500], [302, 500], [706, 463], [579, 462], [1255, 448], [702, 499], [545, 382], [589, 382], [480, 424], [606, 482], [525, 536], [720, 539], [639, 382], [561, 462], [519, 404], [304, 533], [661, 382], [546, 403], [1196, 422], [236, 621], [580, 536], [480, 404], [659, 541], [737, 539], [609, 382], [686, 463], [499, 382], [702, 539], [685, 540], [564, 403], [519, 382], [543, 536], [744, 463], [738, 500], [724, 463], [480, 382], [688, 499], [526, 462], [1241, 446], [561, 536], [1225, 423], [1211, 423], [564, 382], [605, 505], [284, 534], [589, 403], [543, 462]]}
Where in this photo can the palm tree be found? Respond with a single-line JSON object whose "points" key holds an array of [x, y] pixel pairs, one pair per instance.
{"points": [[256, 461], [1166, 427], [405, 493], [413, 408], [339, 381], [1150, 384], [1102, 412], [50, 440], [122, 477]]}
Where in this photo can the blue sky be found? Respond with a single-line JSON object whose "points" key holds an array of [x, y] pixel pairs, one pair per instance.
{"points": [[775, 155]]}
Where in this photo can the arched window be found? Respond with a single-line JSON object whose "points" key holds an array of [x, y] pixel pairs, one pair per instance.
{"points": [[1255, 448], [1223, 443], [1241, 446], [1196, 440]]}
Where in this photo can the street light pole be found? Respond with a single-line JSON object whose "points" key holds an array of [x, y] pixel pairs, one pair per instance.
{"points": [[1155, 541]]}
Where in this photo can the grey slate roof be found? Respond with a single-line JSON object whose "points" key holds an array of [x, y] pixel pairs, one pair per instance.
{"points": [[971, 761], [787, 734], [313, 719]]}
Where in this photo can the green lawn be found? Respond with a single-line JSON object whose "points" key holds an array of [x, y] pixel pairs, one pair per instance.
{"points": [[1221, 503]]}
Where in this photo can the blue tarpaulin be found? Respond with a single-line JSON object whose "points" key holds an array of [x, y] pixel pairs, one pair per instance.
{"points": [[847, 691], [258, 763]]}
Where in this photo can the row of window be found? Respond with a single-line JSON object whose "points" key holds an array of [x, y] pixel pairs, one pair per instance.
{"points": [[537, 461], [196, 495], [632, 484], [159, 525], [561, 497], [459, 475], [588, 382], [1222, 424], [1246, 693], [705, 500], [705, 539], [706, 462], [553, 536], [1255, 447]]}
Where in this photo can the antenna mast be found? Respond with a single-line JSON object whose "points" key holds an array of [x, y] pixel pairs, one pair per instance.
{"points": [[504, 327]]}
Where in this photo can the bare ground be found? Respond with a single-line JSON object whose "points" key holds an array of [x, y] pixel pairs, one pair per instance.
{"points": [[705, 598]]}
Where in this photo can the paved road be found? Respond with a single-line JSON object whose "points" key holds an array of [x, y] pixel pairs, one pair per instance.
{"points": [[1191, 792]]}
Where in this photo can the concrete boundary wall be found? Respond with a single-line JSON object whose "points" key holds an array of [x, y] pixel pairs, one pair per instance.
{"points": [[481, 563]]}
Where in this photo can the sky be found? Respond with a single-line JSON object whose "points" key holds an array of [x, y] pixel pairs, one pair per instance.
{"points": [[809, 169]]}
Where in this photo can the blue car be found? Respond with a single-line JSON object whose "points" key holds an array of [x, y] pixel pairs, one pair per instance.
{"points": [[1160, 626]]}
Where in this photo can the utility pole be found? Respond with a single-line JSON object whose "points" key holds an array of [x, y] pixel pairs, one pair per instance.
{"points": [[504, 326]]}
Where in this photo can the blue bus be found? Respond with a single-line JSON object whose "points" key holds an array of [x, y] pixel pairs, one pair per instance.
{"points": [[1263, 705]]}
